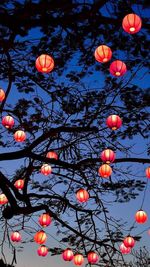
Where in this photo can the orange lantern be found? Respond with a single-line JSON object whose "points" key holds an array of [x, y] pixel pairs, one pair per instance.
{"points": [[2, 95], [42, 251], [78, 259], [114, 122], [67, 255], [8, 122], [45, 220], [46, 169], [118, 68], [19, 184], [92, 257], [15, 237], [108, 156], [129, 242], [40, 237], [103, 53], [3, 199], [82, 195], [44, 63], [132, 23], [148, 172], [141, 216], [52, 155], [124, 249], [20, 136], [105, 170]]}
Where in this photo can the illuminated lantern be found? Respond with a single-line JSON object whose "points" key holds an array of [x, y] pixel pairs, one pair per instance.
{"points": [[141, 216], [108, 156], [45, 220], [52, 155], [105, 170], [148, 172], [103, 53], [19, 184], [114, 122], [2, 95], [129, 242], [118, 68], [15, 237], [20, 136], [132, 23], [78, 259], [42, 251], [40, 237], [67, 255], [8, 122], [3, 199], [82, 195], [46, 169], [92, 257], [124, 249], [44, 63]]}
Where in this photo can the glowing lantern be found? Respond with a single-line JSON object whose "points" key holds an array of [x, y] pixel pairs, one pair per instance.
{"points": [[2, 95], [103, 53], [8, 122], [78, 259], [108, 156], [105, 171], [141, 216], [82, 195], [44, 63], [15, 237], [42, 251], [92, 257], [3, 199], [19, 184], [20, 136], [46, 169], [40, 237], [129, 242], [114, 122], [132, 23], [118, 68], [45, 220], [52, 155], [124, 249], [148, 172], [67, 254]]}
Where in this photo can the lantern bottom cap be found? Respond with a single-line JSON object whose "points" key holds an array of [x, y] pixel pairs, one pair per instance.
{"points": [[117, 73], [105, 59], [132, 29]]}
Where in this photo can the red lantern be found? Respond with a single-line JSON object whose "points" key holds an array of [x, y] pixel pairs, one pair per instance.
{"points": [[42, 251], [15, 237], [8, 122], [124, 249], [67, 255], [132, 23], [40, 237], [46, 169], [2, 95], [114, 122], [82, 195], [52, 155], [148, 172], [105, 170], [78, 259], [118, 68], [20, 136], [19, 184], [103, 53], [141, 216], [44, 63], [45, 220], [92, 257], [108, 156], [3, 199], [129, 242]]}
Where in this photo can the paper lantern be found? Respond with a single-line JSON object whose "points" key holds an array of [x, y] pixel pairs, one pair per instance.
{"points": [[2, 95], [67, 255], [105, 170], [148, 172], [118, 68], [40, 237], [78, 259], [124, 249], [44, 63], [132, 23], [19, 184], [46, 169], [129, 242], [3, 199], [20, 136], [52, 155], [114, 122], [45, 219], [141, 216], [42, 251], [92, 257], [103, 53], [82, 195], [108, 156], [15, 237], [8, 122]]}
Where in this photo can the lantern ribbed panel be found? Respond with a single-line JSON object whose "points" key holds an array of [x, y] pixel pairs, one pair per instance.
{"points": [[67, 255], [19, 184], [114, 122], [2, 95], [82, 195], [108, 156], [40, 237], [92, 257], [103, 53], [44, 220], [78, 259], [105, 171], [44, 63], [42, 251], [124, 249], [118, 68], [52, 155], [132, 23], [3, 199], [8, 121], [46, 169], [129, 242], [147, 171], [20, 136], [15, 237], [141, 216]]}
